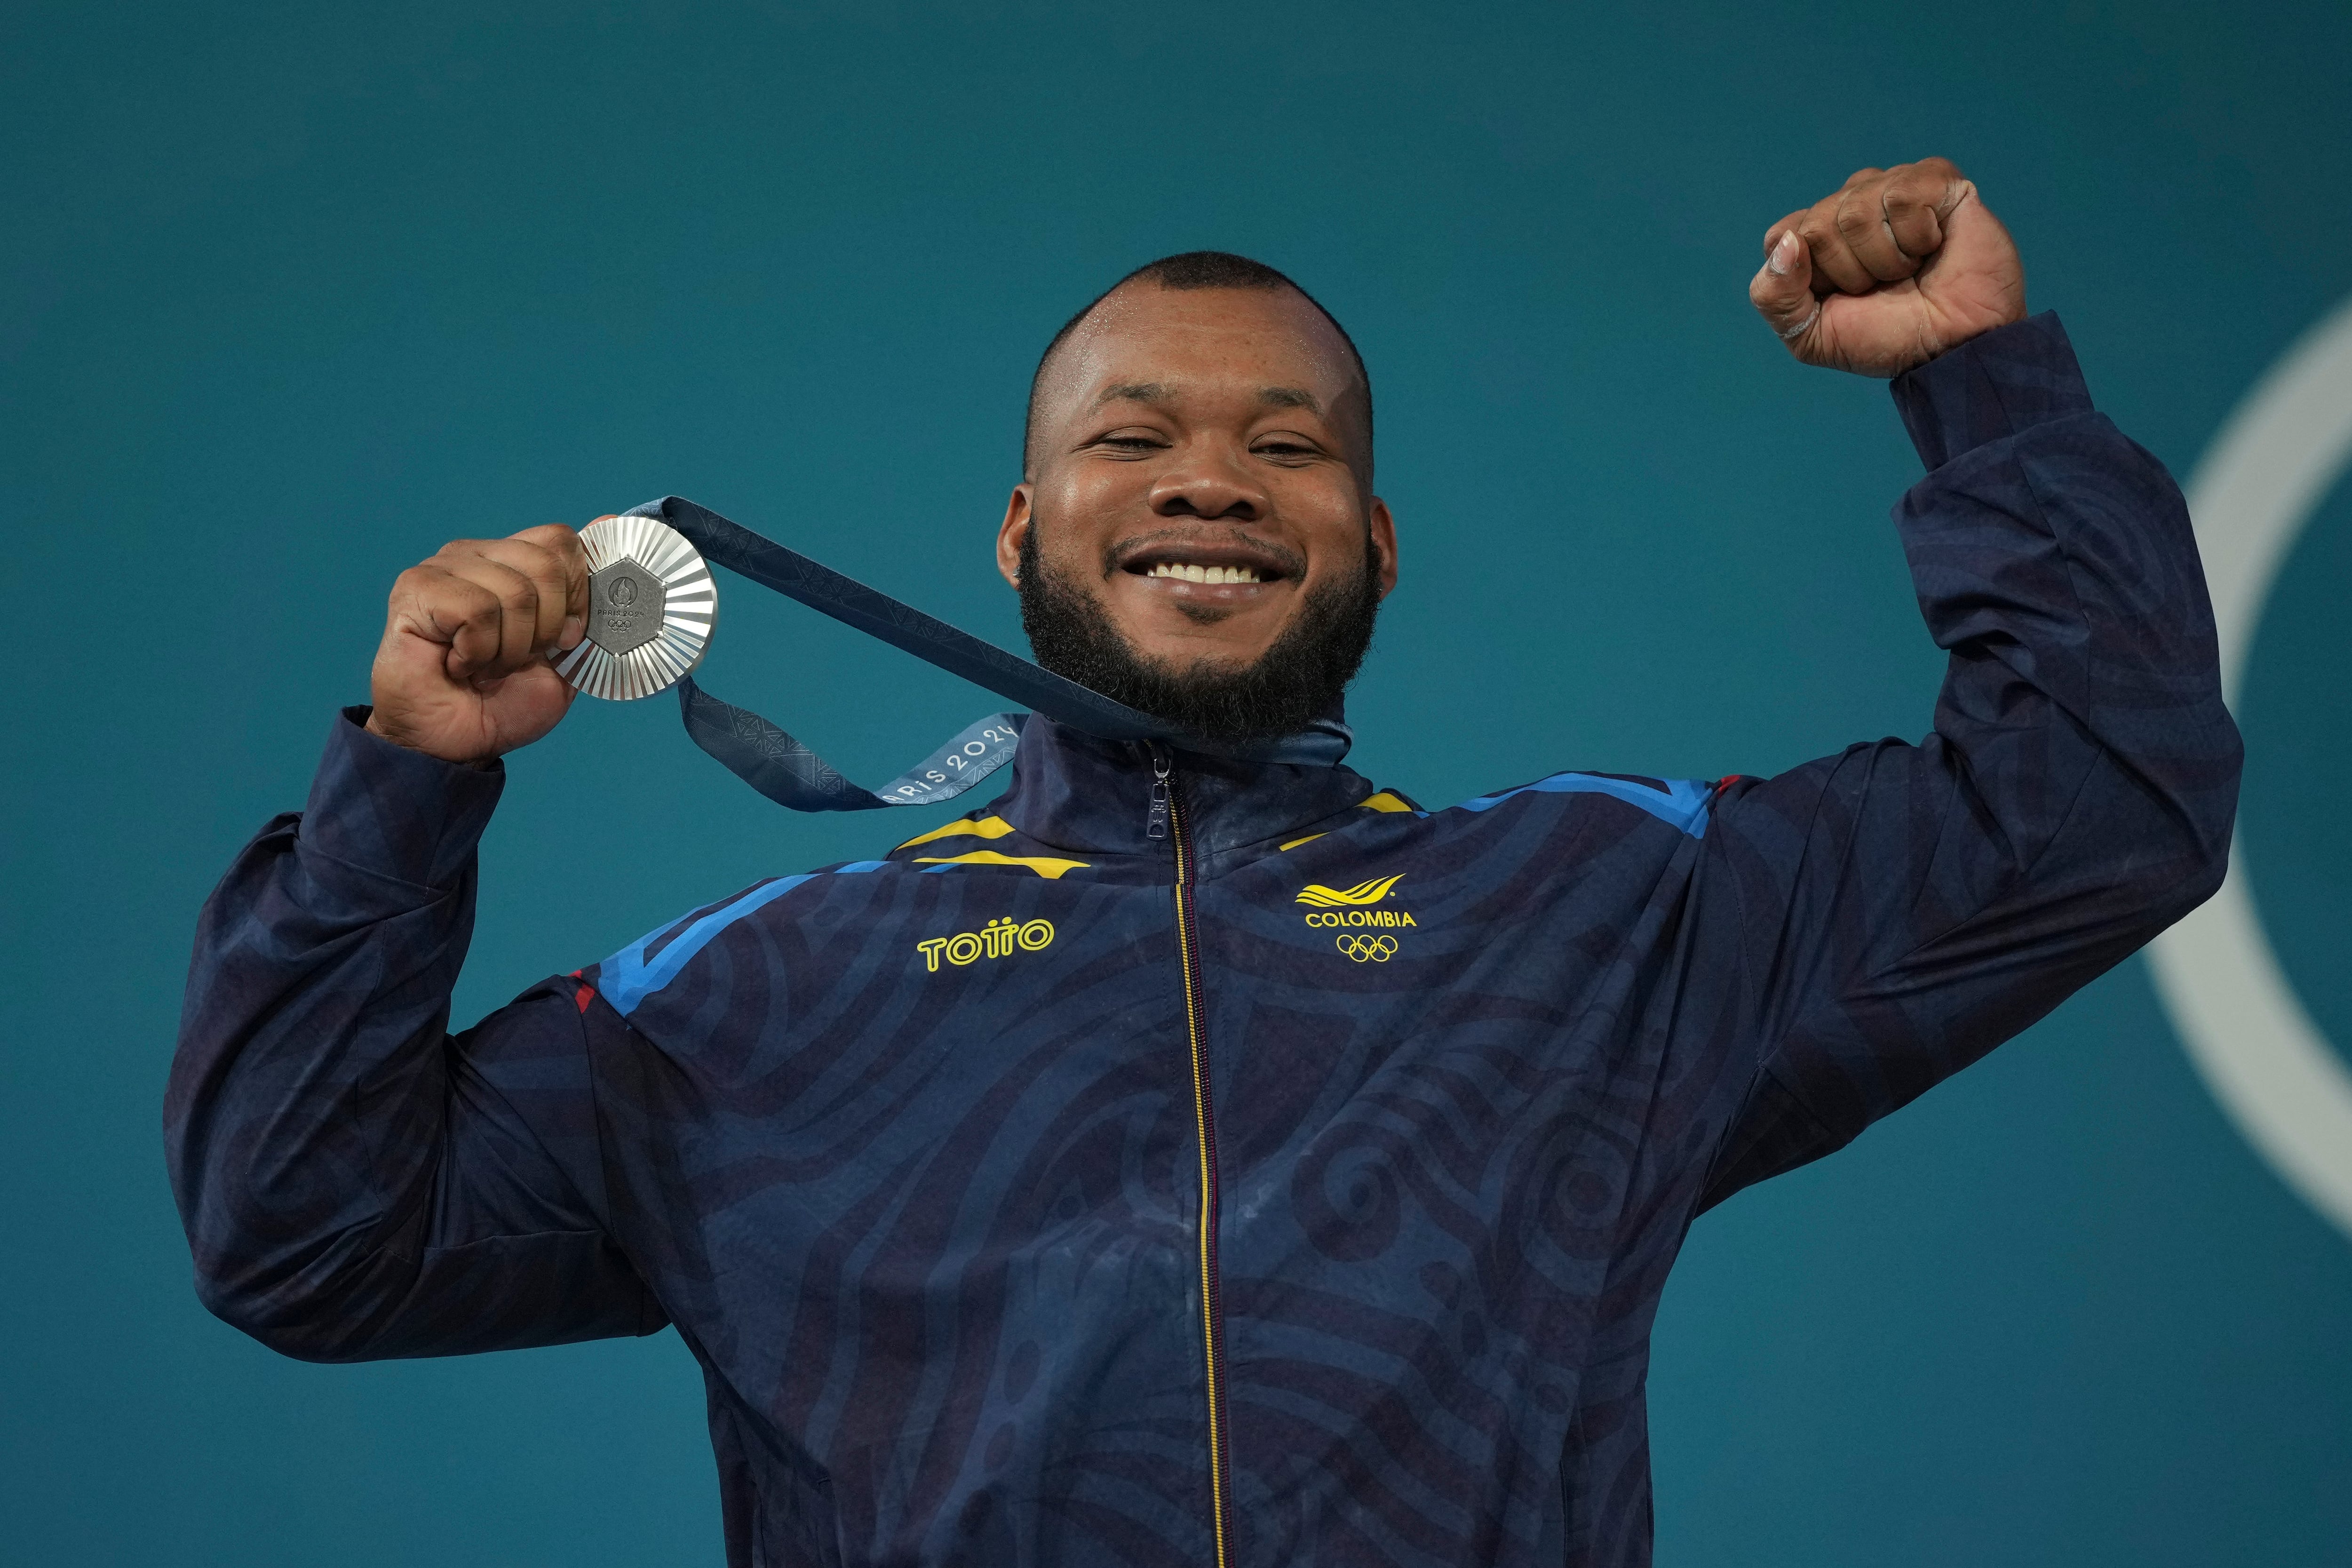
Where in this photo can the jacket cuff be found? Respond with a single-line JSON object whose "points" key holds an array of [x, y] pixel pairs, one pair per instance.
{"points": [[397, 813], [1993, 385]]}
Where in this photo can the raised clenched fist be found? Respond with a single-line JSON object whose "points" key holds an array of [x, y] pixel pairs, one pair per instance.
{"points": [[462, 672], [1889, 272]]}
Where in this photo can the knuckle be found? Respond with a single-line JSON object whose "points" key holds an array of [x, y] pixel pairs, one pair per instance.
{"points": [[536, 561], [519, 597], [543, 560]]}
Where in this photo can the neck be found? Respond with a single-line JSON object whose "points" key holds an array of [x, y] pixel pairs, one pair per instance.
{"points": [[1093, 797]]}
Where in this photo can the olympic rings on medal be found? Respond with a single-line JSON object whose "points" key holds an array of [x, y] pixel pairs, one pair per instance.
{"points": [[1368, 949]]}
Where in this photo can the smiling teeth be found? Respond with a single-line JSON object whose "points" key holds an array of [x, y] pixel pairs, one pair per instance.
{"points": [[1190, 573]]}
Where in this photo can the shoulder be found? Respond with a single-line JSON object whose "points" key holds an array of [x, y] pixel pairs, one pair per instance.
{"points": [[1681, 804], [658, 958], [983, 840], [756, 916], [1563, 812]]}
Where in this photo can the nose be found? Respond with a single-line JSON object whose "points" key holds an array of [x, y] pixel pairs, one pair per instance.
{"points": [[1211, 486]]}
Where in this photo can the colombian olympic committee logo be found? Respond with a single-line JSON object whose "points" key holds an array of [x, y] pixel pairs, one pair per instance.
{"points": [[2281, 452]]}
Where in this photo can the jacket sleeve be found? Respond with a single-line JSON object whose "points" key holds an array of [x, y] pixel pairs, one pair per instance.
{"points": [[355, 1182], [1900, 909]]}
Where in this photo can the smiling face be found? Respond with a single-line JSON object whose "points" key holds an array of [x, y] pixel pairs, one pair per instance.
{"points": [[1200, 480]]}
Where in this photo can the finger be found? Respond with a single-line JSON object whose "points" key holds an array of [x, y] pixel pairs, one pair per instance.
{"points": [[434, 602], [551, 581], [1835, 267], [1782, 291], [564, 541], [1863, 224], [416, 606], [519, 602], [1772, 236], [1917, 198], [507, 639]]}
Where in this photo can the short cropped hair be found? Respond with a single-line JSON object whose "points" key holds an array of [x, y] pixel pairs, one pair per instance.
{"points": [[1194, 269]]}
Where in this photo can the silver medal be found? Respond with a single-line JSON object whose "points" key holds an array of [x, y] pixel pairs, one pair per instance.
{"points": [[651, 607]]}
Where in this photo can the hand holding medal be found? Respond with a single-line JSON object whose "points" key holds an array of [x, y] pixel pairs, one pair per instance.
{"points": [[462, 672]]}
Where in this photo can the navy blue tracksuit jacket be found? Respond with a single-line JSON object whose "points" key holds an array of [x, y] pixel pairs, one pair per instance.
{"points": [[1293, 1188]]}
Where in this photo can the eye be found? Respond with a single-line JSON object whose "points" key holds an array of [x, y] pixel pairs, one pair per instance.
{"points": [[1283, 449], [1130, 443]]}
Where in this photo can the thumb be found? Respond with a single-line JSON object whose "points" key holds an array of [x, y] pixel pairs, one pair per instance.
{"points": [[1782, 291]]}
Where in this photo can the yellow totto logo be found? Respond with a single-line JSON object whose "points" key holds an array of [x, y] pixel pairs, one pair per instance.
{"points": [[994, 940], [1317, 896]]}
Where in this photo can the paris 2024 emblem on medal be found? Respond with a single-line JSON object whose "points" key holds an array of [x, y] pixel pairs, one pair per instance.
{"points": [[651, 607]]}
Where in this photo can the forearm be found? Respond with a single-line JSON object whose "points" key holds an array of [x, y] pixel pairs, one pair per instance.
{"points": [[2053, 559]]}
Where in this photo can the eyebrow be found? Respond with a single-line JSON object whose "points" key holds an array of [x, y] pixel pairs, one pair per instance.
{"points": [[1157, 391], [1289, 397]]}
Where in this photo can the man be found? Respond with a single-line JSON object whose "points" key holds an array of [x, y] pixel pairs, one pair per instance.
{"points": [[1194, 1160]]}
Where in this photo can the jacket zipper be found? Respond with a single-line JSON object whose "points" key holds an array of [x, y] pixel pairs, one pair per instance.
{"points": [[1167, 813]]}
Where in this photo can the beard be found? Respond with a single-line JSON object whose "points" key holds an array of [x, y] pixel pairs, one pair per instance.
{"points": [[1300, 678]]}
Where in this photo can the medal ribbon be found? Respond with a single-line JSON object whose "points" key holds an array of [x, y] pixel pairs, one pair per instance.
{"points": [[791, 774]]}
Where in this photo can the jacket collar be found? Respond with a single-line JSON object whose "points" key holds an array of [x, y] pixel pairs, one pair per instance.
{"points": [[1093, 797]]}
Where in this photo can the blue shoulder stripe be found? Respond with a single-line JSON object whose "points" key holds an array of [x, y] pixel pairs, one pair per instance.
{"points": [[627, 977], [1682, 803]]}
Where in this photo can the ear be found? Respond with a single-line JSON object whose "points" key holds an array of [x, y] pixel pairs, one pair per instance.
{"points": [[1013, 533], [1384, 546]]}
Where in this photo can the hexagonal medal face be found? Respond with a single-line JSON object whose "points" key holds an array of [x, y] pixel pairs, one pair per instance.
{"points": [[624, 608]]}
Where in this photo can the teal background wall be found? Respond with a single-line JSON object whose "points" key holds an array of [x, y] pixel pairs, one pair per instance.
{"points": [[291, 294]]}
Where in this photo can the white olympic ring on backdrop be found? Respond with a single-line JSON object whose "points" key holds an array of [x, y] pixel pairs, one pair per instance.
{"points": [[2282, 450], [1368, 949]]}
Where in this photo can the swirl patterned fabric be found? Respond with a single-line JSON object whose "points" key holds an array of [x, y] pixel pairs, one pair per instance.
{"points": [[1048, 1193]]}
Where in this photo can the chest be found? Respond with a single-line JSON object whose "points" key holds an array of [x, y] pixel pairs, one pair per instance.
{"points": [[1383, 1056]]}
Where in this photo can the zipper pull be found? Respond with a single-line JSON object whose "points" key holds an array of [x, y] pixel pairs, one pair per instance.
{"points": [[1155, 825]]}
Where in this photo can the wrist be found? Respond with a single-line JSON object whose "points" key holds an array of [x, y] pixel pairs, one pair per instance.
{"points": [[1971, 335], [393, 810], [407, 740], [1994, 385]]}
